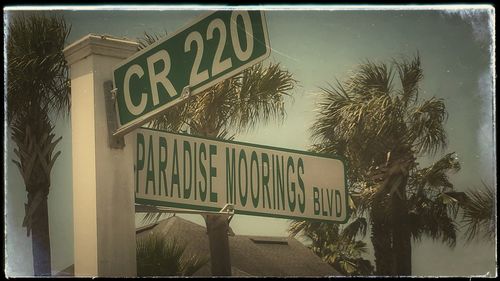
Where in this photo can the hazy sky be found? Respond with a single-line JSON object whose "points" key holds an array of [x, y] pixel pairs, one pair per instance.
{"points": [[318, 47]]}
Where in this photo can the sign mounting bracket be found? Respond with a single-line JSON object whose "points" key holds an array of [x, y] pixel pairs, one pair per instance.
{"points": [[114, 142], [186, 92]]}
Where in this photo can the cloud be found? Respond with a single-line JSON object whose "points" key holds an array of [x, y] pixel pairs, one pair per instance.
{"points": [[481, 21], [485, 134]]}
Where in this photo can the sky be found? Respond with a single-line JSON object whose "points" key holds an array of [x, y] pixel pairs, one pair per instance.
{"points": [[317, 46]]}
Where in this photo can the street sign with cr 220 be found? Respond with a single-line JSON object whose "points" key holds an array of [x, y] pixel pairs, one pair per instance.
{"points": [[203, 53]]}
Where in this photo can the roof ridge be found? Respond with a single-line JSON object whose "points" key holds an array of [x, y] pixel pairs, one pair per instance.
{"points": [[171, 221], [267, 236]]}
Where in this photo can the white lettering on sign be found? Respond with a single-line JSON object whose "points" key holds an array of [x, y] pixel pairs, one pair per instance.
{"points": [[196, 77], [242, 55], [135, 110], [218, 66], [160, 77], [196, 173], [154, 78]]}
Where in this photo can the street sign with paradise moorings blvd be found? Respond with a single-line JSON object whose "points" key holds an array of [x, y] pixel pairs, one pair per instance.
{"points": [[195, 173], [214, 47]]}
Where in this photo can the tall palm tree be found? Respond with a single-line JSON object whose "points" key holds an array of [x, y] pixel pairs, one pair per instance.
{"points": [[382, 129], [37, 87]]}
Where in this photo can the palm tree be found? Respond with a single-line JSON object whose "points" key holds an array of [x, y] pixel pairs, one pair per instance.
{"points": [[336, 245], [157, 256], [381, 129], [37, 87]]}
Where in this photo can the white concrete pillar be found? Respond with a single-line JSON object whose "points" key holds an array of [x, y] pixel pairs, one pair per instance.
{"points": [[103, 186]]}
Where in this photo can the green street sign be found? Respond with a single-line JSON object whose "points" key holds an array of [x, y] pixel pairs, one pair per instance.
{"points": [[183, 171], [187, 62]]}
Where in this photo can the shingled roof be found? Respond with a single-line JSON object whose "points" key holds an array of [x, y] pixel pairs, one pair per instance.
{"points": [[250, 255]]}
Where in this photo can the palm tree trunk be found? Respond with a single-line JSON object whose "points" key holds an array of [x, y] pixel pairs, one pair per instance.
{"points": [[33, 136], [405, 260], [382, 247], [381, 238], [41, 240], [401, 232]]}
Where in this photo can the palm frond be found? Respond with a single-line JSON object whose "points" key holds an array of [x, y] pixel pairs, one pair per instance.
{"points": [[431, 217], [261, 96], [159, 256], [362, 198], [336, 246], [37, 72], [410, 75], [371, 79], [149, 39], [426, 122], [355, 228], [479, 213], [436, 176]]}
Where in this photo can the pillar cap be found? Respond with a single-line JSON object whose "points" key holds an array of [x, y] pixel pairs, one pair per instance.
{"points": [[104, 45]]}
